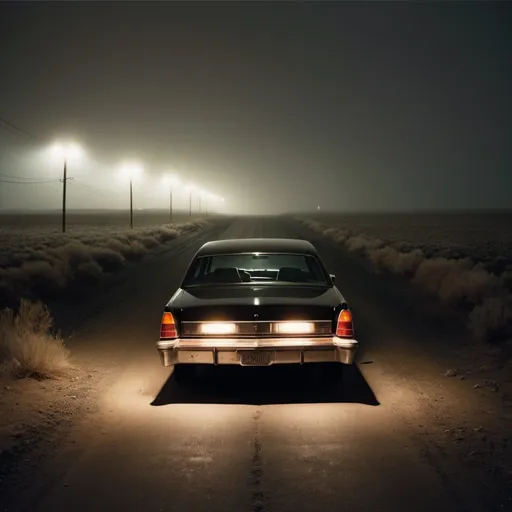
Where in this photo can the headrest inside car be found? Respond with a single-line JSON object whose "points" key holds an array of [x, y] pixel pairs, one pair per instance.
{"points": [[289, 274], [226, 275]]}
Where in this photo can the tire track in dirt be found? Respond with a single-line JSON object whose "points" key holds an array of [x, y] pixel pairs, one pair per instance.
{"points": [[258, 497]]}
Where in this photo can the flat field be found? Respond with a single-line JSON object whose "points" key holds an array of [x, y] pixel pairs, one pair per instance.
{"points": [[38, 261], [485, 237], [80, 219]]}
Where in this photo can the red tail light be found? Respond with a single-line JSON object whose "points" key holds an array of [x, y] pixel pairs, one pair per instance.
{"points": [[345, 329], [168, 327]]}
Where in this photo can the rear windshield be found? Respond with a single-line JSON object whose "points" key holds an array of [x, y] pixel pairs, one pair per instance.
{"points": [[256, 268]]}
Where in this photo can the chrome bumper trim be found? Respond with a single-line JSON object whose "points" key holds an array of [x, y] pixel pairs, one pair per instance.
{"points": [[221, 351]]}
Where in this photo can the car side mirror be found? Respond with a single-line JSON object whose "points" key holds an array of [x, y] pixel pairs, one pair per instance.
{"points": [[333, 277]]}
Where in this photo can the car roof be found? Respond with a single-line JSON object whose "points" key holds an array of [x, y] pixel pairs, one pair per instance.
{"points": [[240, 245]]}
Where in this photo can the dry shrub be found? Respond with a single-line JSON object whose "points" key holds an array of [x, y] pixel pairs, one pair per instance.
{"points": [[73, 253], [119, 244], [166, 234], [492, 320], [27, 348], [506, 278], [191, 226], [338, 235], [331, 232], [38, 276], [89, 269], [399, 262], [106, 258], [361, 242], [453, 280], [314, 225], [46, 264], [136, 250], [456, 280], [148, 241]]}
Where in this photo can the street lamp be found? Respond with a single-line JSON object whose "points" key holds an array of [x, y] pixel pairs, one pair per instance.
{"points": [[171, 181], [202, 195], [131, 171], [66, 152], [190, 189], [210, 196], [206, 196]]}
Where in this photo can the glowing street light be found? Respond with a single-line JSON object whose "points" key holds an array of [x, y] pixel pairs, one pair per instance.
{"points": [[131, 171], [170, 181], [69, 151]]}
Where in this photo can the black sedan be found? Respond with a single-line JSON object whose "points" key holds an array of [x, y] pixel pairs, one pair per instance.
{"points": [[256, 302]]}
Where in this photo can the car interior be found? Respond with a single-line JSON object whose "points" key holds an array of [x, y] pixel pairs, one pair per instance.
{"points": [[238, 275], [250, 268]]}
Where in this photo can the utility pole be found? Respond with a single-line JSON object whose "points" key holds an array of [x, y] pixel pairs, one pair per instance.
{"points": [[170, 203], [131, 203], [64, 183], [190, 204]]}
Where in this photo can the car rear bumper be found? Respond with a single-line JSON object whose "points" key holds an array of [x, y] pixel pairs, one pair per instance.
{"points": [[234, 351]]}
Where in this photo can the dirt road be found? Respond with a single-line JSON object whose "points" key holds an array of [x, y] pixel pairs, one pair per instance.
{"points": [[265, 439]]}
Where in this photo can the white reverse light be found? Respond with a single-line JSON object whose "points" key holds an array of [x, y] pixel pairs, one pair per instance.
{"points": [[218, 328], [295, 327]]}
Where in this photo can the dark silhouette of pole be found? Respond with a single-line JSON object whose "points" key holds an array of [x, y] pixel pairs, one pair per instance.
{"points": [[206, 206], [170, 203], [190, 204], [131, 204], [64, 183]]}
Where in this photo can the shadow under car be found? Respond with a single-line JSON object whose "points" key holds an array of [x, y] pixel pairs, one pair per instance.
{"points": [[280, 384]]}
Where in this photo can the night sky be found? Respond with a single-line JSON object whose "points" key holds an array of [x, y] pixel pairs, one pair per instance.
{"points": [[275, 106]]}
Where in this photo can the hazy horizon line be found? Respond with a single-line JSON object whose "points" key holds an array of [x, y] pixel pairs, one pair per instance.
{"points": [[57, 211]]}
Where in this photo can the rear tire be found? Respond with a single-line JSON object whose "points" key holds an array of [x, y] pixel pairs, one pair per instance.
{"points": [[184, 373]]}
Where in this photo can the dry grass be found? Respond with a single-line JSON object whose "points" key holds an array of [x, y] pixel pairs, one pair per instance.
{"points": [[36, 265], [27, 347], [457, 281]]}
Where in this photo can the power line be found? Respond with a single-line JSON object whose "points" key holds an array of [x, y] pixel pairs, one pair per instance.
{"points": [[37, 137], [19, 130], [28, 182], [19, 178], [90, 188], [156, 150]]}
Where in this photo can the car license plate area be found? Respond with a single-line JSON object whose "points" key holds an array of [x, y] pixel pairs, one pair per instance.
{"points": [[256, 357]]}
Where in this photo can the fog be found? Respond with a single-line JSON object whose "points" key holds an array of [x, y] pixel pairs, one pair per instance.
{"points": [[93, 184], [276, 107]]}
